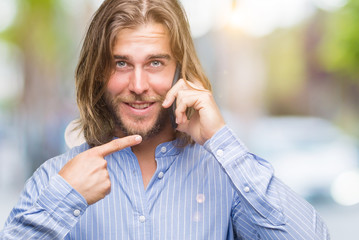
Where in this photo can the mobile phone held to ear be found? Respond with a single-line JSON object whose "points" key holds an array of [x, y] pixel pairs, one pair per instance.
{"points": [[173, 107]]}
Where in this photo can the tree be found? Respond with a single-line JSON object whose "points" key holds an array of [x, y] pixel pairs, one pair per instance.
{"points": [[39, 33], [339, 51]]}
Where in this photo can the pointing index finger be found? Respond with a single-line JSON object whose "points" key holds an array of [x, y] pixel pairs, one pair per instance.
{"points": [[117, 144]]}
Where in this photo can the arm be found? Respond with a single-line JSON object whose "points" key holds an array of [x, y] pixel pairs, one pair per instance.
{"points": [[47, 209], [264, 206], [52, 203]]}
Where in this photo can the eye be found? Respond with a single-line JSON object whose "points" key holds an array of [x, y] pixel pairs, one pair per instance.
{"points": [[156, 63], [121, 64]]}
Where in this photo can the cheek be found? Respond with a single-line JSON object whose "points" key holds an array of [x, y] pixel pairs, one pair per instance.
{"points": [[161, 85], [115, 85]]}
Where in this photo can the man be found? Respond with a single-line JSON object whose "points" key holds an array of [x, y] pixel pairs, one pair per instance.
{"points": [[139, 178]]}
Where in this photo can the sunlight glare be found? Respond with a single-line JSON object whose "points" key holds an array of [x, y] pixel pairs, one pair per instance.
{"points": [[204, 15], [345, 189], [260, 18], [330, 5], [7, 13]]}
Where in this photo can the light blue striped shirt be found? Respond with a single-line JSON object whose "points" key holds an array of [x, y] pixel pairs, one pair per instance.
{"points": [[216, 191]]}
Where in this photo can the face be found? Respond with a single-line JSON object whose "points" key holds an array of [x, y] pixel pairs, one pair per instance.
{"points": [[144, 70]]}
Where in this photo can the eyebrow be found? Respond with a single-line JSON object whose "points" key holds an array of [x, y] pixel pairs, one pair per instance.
{"points": [[154, 56], [120, 57], [160, 56]]}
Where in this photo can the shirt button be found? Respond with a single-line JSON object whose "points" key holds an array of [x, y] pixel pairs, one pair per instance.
{"points": [[246, 189], [160, 175], [220, 152], [142, 219], [77, 213], [163, 149]]}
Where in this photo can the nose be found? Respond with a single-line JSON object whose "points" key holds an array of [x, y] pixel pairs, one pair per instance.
{"points": [[139, 81]]}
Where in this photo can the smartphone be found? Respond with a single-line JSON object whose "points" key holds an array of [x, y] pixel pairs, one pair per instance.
{"points": [[173, 107]]}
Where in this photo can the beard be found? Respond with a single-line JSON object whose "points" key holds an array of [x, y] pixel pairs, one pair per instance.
{"points": [[135, 125]]}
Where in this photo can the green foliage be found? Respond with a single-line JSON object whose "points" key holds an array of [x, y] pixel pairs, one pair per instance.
{"points": [[339, 51], [285, 61], [36, 29]]}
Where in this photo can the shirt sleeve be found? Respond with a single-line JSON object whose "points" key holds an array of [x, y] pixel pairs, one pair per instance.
{"points": [[48, 209], [263, 205]]}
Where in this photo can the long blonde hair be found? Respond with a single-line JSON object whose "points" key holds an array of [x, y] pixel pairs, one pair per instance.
{"points": [[96, 58]]}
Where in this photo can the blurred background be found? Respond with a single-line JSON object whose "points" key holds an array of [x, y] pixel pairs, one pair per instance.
{"points": [[285, 74]]}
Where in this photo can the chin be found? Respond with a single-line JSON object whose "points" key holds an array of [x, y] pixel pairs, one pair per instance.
{"points": [[143, 128], [140, 130], [146, 127]]}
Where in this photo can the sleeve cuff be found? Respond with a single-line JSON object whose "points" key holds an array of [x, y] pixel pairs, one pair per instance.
{"points": [[225, 146], [62, 202]]}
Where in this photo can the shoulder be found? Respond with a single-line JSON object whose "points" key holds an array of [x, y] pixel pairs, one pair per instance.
{"points": [[52, 166], [41, 178]]}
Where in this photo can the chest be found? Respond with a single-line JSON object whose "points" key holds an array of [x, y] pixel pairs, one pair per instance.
{"points": [[186, 200]]}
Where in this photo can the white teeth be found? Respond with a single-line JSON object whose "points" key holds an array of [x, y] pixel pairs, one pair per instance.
{"points": [[139, 106]]}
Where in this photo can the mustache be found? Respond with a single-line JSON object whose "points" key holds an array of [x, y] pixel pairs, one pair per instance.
{"points": [[139, 98]]}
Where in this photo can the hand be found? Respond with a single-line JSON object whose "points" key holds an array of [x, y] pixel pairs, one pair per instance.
{"points": [[87, 172], [205, 121]]}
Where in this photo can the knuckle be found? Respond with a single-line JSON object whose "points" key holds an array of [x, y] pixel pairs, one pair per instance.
{"points": [[182, 82], [208, 94], [107, 186], [177, 111], [107, 176], [102, 163], [179, 95], [86, 154], [180, 105]]}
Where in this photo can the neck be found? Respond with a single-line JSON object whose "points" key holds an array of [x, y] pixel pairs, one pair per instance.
{"points": [[145, 151], [148, 146]]}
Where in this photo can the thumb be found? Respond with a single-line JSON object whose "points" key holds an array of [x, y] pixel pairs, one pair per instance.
{"points": [[117, 144]]}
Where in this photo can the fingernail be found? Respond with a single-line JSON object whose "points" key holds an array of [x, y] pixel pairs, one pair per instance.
{"points": [[165, 102], [138, 139]]}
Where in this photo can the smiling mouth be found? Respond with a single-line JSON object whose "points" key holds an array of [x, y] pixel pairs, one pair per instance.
{"points": [[139, 105]]}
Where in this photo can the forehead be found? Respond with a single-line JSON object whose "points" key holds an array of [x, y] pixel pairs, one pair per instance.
{"points": [[149, 37]]}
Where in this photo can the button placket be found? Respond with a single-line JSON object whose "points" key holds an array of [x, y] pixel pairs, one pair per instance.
{"points": [[142, 218], [160, 175]]}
